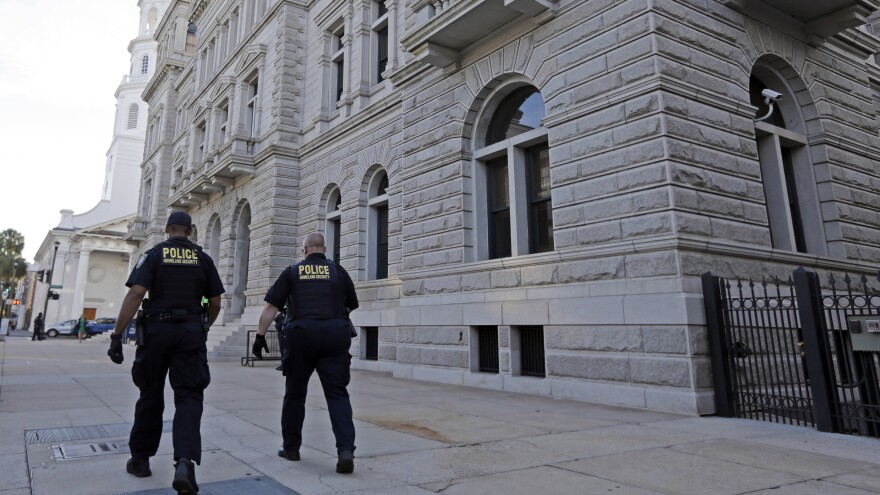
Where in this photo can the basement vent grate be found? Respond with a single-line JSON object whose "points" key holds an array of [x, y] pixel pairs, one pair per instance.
{"points": [[74, 433], [79, 451], [257, 484]]}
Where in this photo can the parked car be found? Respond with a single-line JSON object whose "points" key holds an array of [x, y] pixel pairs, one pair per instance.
{"points": [[100, 325], [63, 328]]}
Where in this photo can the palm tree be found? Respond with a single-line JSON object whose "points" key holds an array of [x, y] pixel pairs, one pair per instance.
{"points": [[12, 266]]}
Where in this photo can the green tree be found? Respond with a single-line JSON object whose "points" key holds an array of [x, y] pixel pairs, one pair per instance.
{"points": [[12, 266]]}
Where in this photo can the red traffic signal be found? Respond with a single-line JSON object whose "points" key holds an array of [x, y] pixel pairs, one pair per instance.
{"points": [[16, 302]]}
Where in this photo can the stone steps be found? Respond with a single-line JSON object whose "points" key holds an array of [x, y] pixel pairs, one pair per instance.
{"points": [[227, 342]]}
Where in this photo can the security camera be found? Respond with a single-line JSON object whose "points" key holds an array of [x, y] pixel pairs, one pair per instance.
{"points": [[771, 95]]}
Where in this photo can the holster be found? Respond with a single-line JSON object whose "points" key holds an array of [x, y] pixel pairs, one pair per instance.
{"points": [[206, 323], [140, 328]]}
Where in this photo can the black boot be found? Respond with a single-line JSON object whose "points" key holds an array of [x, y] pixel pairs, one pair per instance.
{"points": [[345, 462], [139, 466], [290, 455], [185, 477]]}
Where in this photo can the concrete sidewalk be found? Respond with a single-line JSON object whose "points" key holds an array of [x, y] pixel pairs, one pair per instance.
{"points": [[413, 438]]}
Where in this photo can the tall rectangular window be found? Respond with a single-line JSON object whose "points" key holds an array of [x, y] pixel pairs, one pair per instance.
{"points": [[223, 122], [378, 227], [379, 40], [201, 136], [337, 240], [797, 222], [371, 343], [334, 225], [499, 208], [487, 342], [148, 198], [145, 64], [338, 59], [382, 242], [253, 94], [532, 351], [540, 210]]}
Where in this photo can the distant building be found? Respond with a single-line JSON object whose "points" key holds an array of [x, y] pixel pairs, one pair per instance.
{"points": [[93, 259], [525, 191]]}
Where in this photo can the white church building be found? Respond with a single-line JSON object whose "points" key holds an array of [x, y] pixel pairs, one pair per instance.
{"points": [[92, 262]]}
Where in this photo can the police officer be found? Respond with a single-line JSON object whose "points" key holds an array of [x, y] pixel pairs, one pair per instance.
{"points": [[173, 326], [318, 294]]}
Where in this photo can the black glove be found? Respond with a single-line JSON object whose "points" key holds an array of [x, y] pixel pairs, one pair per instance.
{"points": [[115, 351], [259, 345]]}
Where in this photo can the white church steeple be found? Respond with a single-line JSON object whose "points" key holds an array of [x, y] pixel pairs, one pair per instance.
{"points": [[122, 174]]}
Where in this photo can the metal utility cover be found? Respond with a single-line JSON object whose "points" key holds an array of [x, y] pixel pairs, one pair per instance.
{"points": [[81, 450], [262, 485], [74, 433], [868, 339]]}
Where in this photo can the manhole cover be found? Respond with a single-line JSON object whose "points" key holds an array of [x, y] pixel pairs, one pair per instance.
{"points": [[78, 451], [262, 485]]}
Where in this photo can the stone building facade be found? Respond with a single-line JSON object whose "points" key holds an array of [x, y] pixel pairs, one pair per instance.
{"points": [[525, 191]]}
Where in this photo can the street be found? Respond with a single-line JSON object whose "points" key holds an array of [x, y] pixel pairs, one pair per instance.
{"points": [[412, 438]]}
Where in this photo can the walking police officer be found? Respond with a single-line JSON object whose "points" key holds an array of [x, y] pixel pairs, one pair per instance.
{"points": [[172, 335], [319, 294]]}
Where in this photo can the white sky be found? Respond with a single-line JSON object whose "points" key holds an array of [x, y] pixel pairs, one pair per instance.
{"points": [[60, 63]]}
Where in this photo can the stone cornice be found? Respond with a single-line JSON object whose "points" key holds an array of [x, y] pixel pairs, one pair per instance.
{"points": [[168, 66], [647, 245]]}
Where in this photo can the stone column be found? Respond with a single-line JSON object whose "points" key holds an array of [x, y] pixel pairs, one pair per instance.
{"points": [[391, 5], [82, 276]]}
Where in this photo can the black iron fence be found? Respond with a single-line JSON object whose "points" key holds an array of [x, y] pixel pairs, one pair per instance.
{"points": [[274, 353], [781, 351]]}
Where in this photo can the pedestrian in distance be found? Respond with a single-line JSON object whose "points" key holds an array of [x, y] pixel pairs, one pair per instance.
{"points": [[38, 327], [318, 294], [80, 328], [171, 340]]}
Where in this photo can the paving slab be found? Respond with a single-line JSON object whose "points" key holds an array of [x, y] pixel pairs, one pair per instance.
{"points": [[799, 462], [866, 480], [814, 487], [610, 440], [428, 466], [667, 471], [534, 480]]}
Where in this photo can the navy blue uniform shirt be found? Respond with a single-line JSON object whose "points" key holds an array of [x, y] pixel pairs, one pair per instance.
{"points": [[282, 288], [176, 252]]}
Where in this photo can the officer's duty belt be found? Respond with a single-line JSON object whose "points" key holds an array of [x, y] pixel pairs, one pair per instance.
{"points": [[176, 315]]}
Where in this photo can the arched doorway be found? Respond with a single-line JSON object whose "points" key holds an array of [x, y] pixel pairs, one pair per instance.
{"points": [[241, 259]]}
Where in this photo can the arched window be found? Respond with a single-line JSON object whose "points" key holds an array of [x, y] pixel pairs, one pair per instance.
{"points": [[212, 240], [514, 211], [133, 111], [786, 166], [377, 202], [145, 64], [333, 227]]}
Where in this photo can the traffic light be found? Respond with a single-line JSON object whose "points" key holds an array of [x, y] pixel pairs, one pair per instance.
{"points": [[16, 302], [48, 275], [40, 275], [54, 295]]}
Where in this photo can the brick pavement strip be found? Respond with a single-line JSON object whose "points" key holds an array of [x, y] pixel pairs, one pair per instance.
{"points": [[413, 437]]}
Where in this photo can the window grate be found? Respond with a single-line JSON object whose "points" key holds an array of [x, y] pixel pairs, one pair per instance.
{"points": [[487, 340], [532, 351], [371, 335]]}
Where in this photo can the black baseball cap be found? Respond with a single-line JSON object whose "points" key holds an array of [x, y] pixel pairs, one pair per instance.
{"points": [[179, 218]]}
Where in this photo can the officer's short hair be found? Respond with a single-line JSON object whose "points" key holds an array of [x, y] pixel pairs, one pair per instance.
{"points": [[314, 240]]}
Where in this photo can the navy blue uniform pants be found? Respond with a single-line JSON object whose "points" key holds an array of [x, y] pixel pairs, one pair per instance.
{"points": [[177, 350], [322, 346]]}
